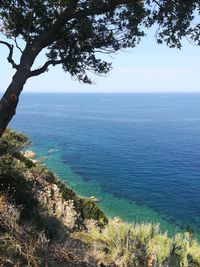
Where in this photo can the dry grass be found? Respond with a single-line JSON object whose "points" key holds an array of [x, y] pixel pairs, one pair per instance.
{"points": [[22, 245], [9, 214], [17, 245]]}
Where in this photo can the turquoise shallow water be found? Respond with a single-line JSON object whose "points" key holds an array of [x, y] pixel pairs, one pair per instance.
{"points": [[113, 206], [138, 154]]}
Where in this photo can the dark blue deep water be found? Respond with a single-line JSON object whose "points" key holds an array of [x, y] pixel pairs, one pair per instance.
{"points": [[138, 148]]}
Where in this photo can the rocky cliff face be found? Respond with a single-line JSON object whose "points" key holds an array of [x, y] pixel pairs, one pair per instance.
{"points": [[39, 214], [60, 202]]}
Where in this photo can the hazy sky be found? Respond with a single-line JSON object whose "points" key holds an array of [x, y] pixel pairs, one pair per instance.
{"points": [[147, 68]]}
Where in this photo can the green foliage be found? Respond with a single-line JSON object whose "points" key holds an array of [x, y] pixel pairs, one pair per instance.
{"points": [[27, 162], [66, 192], [90, 210], [159, 249], [12, 168], [176, 20], [87, 208], [90, 27], [185, 251], [85, 28], [136, 245], [13, 142], [13, 182]]}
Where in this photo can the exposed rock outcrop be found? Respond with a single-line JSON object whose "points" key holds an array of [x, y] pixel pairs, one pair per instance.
{"points": [[56, 199], [39, 216], [29, 154]]}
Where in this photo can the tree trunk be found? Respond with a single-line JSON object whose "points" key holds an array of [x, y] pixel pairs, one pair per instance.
{"points": [[9, 101], [10, 98]]}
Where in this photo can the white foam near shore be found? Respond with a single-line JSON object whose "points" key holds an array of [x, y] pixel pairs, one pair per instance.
{"points": [[52, 150]]}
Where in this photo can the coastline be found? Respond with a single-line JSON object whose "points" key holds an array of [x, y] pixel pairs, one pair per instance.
{"points": [[111, 205], [54, 212], [160, 166]]}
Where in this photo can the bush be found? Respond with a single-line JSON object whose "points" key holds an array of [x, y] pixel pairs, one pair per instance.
{"points": [[89, 210], [13, 142], [142, 245]]}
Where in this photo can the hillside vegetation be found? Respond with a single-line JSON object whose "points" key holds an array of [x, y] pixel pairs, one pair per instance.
{"points": [[44, 223]]}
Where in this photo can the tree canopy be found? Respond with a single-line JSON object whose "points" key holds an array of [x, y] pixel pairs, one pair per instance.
{"points": [[75, 32]]}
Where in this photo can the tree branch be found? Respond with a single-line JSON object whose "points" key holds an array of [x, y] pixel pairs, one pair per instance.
{"points": [[112, 4], [9, 58], [157, 3], [47, 37], [18, 45], [70, 13], [45, 67]]}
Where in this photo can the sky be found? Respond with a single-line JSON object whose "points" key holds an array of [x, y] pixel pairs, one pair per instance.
{"points": [[147, 68]]}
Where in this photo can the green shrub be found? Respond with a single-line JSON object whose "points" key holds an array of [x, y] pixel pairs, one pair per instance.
{"points": [[142, 245], [13, 142], [158, 249], [66, 192], [89, 210]]}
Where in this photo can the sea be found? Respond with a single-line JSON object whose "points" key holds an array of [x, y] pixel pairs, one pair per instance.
{"points": [[138, 154]]}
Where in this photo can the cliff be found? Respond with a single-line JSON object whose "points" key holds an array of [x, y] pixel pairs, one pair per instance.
{"points": [[37, 207], [44, 223]]}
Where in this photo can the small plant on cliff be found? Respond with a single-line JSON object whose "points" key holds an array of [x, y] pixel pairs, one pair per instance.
{"points": [[13, 142]]}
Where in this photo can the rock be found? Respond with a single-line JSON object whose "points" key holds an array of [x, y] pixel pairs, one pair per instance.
{"points": [[91, 224], [93, 198], [29, 154], [117, 220], [34, 161], [60, 203]]}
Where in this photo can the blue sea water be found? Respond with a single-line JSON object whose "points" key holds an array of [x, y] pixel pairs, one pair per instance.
{"points": [[138, 153]]}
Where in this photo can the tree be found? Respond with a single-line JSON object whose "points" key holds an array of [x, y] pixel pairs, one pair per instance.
{"points": [[74, 32]]}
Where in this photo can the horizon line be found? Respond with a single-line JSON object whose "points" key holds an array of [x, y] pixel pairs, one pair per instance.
{"points": [[109, 92]]}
